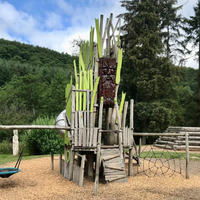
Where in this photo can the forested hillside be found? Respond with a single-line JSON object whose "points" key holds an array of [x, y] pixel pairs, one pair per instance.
{"points": [[32, 83]]}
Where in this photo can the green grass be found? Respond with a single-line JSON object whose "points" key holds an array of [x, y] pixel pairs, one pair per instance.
{"points": [[8, 158], [169, 155]]}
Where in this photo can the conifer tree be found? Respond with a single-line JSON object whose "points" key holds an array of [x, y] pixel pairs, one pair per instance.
{"points": [[171, 23], [149, 76], [192, 30]]}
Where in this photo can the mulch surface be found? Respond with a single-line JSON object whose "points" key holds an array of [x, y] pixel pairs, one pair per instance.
{"points": [[37, 181]]}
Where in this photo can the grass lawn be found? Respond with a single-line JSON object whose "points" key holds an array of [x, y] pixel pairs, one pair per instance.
{"points": [[7, 158], [169, 155]]}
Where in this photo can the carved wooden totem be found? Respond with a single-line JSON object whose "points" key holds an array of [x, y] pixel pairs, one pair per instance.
{"points": [[107, 73]]}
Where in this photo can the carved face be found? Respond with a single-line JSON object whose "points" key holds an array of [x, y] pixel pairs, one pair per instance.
{"points": [[107, 73]]}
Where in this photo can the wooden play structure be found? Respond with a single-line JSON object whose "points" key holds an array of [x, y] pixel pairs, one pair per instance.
{"points": [[98, 131], [178, 142]]}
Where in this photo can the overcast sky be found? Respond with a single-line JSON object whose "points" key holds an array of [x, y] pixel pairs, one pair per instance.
{"points": [[55, 23]]}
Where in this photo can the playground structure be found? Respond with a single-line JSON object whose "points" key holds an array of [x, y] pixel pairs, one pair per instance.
{"points": [[93, 125], [92, 99], [178, 142]]}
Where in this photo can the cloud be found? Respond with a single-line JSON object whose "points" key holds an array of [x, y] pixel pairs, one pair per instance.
{"points": [[53, 21]]}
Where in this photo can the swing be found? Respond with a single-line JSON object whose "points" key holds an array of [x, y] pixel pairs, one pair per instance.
{"points": [[9, 171]]}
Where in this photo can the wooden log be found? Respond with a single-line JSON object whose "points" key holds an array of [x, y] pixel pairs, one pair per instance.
{"points": [[130, 162], [189, 141], [184, 147], [88, 116], [158, 134], [167, 142], [97, 165], [186, 129], [60, 164], [23, 127], [72, 126], [187, 155], [124, 114], [101, 30], [140, 144], [52, 161], [131, 113]]}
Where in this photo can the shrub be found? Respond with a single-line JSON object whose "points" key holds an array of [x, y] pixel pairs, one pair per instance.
{"points": [[6, 147], [44, 141]]}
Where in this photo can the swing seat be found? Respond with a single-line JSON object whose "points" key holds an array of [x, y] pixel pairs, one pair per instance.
{"points": [[9, 171]]}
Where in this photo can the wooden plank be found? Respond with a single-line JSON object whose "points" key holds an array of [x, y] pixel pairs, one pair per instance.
{"points": [[123, 180], [106, 158], [113, 167], [80, 119], [84, 137], [114, 177], [76, 136], [95, 137], [130, 162], [123, 136], [76, 119], [84, 118], [114, 161], [88, 117], [91, 136], [124, 114], [97, 165], [80, 140]]}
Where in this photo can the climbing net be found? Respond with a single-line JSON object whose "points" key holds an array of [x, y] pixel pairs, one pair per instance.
{"points": [[159, 162]]}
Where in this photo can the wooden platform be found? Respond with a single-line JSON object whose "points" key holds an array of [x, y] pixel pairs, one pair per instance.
{"points": [[113, 163]]}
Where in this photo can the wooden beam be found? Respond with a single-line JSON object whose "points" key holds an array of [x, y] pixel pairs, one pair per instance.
{"points": [[17, 127], [187, 155]]}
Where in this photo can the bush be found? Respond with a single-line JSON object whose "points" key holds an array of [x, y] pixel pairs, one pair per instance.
{"points": [[6, 147], [44, 141]]}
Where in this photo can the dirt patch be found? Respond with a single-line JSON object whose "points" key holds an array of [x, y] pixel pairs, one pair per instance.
{"points": [[37, 181]]}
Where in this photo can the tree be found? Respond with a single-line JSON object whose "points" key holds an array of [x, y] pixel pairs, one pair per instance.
{"points": [[149, 76], [192, 30], [171, 23]]}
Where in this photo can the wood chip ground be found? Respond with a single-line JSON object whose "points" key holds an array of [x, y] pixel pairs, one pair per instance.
{"points": [[37, 181]]}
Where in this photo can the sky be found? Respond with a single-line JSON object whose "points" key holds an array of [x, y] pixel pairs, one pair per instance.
{"points": [[56, 23]]}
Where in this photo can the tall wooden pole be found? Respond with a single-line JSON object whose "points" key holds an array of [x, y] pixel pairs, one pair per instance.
{"points": [[187, 155]]}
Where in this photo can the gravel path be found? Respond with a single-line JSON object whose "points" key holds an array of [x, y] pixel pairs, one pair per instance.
{"points": [[37, 181]]}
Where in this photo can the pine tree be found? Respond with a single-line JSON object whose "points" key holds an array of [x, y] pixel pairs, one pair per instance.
{"points": [[149, 76], [192, 30], [171, 23]]}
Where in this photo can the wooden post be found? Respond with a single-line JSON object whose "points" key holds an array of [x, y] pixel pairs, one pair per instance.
{"points": [[60, 164], [98, 149], [140, 143], [130, 162], [72, 131], [52, 162], [187, 155], [15, 143]]}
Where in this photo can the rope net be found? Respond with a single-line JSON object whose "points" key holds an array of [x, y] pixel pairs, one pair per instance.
{"points": [[159, 162]]}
